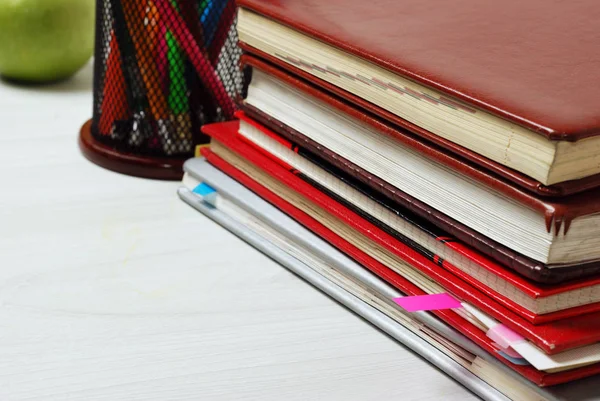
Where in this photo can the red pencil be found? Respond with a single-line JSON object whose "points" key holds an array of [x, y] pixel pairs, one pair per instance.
{"points": [[203, 67], [114, 99]]}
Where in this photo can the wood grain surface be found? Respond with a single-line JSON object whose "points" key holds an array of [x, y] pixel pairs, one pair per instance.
{"points": [[111, 288]]}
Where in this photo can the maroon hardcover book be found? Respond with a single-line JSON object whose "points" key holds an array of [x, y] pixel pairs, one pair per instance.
{"points": [[527, 267], [541, 77]]}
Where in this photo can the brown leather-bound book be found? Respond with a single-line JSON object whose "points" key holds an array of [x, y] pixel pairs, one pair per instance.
{"points": [[293, 108], [502, 83]]}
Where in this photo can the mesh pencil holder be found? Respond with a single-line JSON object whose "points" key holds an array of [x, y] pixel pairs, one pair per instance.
{"points": [[162, 69]]}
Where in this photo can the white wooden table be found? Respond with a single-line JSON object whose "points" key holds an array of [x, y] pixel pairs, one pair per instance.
{"points": [[111, 288]]}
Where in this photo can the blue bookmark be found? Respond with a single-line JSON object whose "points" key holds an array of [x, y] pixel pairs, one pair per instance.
{"points": [[208, 193]]}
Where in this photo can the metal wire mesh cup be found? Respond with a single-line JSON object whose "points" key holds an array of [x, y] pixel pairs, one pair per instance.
{"points": [[162, 69]]}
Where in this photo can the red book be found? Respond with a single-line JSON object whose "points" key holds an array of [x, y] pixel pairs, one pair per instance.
{"points": [[515, 91], [525, 297], [553, 337], [502, 145], [528, 267], [225, 133]]}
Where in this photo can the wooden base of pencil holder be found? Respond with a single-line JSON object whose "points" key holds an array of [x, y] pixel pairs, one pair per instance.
{"points": [[129, 164]]}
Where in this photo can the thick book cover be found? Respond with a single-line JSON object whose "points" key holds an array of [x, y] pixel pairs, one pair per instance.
{"points": [[552, 337], [451, 52], [556, 302], [526, 266], [532, 78]]}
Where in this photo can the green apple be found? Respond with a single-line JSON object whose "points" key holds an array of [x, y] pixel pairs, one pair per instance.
{"points": [[45, 40]]}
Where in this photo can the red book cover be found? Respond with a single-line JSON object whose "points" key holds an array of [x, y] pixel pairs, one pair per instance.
{"points": [[506, 173], [482, 65], [552, 337], [225, 133], [528, 267], [532, 289], [542, 76]]}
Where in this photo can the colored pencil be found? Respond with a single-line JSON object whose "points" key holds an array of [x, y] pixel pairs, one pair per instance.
{"points": [[177, 98], [134, 17], [203, 67], [223, 24], [114, 101]]}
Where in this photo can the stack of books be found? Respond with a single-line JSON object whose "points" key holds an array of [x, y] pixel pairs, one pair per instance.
{"points": [[435, 168]]}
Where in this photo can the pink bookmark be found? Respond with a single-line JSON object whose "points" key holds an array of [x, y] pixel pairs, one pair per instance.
{"points": [[428, 302], [503, 336]]}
